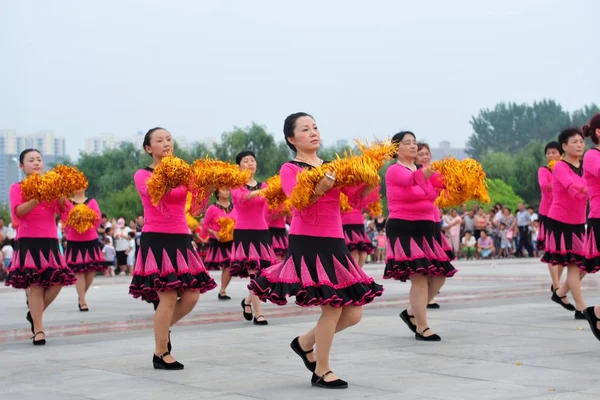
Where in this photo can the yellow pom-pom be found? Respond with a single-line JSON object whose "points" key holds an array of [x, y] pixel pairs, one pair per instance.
{"points": [[192, 222], [378, 152], [81, 218], [344, 204], [211, 173], [72, 179], [226, 226], [465, 180], [286, 207], [31, 187], [273, 193], [375, 209], [551, 164], [172, 172]]}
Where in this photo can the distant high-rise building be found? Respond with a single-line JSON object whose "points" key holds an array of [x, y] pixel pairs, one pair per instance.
{"points": [[99, 144], [446, 150]]}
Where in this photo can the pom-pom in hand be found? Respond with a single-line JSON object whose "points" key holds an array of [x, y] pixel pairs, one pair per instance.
{"points": [[226, 226], [172, 172], [81, 218], [273, 193], [464, 180], [344, 203]]}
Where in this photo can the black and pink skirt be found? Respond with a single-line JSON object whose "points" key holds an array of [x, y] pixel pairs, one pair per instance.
{"points": [[356, 238], [168, 261], [592, 246], [317, 271], [38, 261], [251, 252], [218, 255], [415, 247], [541, 236], [84, 257], [279, 241], [564, 244], [446, 246]]}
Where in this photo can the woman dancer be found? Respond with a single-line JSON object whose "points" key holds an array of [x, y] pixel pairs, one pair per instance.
{"points": [[318, 270], [359, 244], [219, 251], [553, 152], [37, 264], [277, 219], [423, 159], [167, 266], [252, 249], [565, 225], [591, 165], [414, 242], [84, 254]]}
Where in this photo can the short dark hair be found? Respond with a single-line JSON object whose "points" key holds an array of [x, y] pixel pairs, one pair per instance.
{"points": [[397, 138], [25, 152], [553, 145], [289, 125], [242, 154], [567, 134]]}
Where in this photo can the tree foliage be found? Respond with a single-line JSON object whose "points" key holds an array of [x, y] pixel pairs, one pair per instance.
{"points": [[501, 193], [510, 127]]}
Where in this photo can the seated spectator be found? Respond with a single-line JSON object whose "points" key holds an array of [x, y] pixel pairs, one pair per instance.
{"points": [[485, 246], [468, 246]]}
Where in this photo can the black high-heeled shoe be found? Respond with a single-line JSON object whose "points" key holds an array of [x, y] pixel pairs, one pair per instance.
{"points": [[579, 315], [319, 381], [223, 297], [83, 309], [40, 342], [433, 306], [590, 315], [263, 322], [406, 318], [28, 317], [557, 299], [247, 316], [295, 345], [432, 338], [160, 363]]}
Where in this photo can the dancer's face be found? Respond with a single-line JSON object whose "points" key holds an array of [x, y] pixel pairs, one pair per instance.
{"points": [[407, 148], [224, 193], [161, 144], [248, 163], [307, 137], [552, 154], [33, 163], [423, 157], [575, 146]]}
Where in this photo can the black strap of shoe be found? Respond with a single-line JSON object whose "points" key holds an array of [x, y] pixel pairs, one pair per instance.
{"points": [[322, 377], [168, 353], [37, 333], [424, 330]]}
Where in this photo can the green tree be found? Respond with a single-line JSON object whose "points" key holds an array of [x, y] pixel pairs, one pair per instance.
{"points": [[5, 213], [509, 127], [125, 202], [501, 193], [582, 116]]}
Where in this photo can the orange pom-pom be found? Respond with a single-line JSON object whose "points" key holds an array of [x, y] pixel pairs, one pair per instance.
{"points": [[192, 222], [72, 179], [375, 209], [172, 172], [465, 180], [551, 164], [209, 172], [273, 193], [82, 218], [226, 226], [378, 152], [31, 187], [344, 203]]}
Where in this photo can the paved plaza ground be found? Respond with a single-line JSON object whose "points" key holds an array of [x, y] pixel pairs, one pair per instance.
{"points": [[502, 339]]}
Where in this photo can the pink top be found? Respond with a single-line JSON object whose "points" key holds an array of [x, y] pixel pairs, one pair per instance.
{"points": [[275, 219], [250, 212], [591, 175], [169, 215], [39, 223], [545, 181], [355, 216], [410, 196], [91, 234], [322, 218], [213, 213], [569, 195], [381, 239], [454, 230]]}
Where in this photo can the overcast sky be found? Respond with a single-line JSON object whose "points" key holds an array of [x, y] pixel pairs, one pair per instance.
{"points": [[363, 68]]}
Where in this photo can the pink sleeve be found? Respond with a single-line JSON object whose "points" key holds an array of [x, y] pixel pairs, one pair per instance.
{"points": [[16, 199], [401, 176], [197, 207], [562, 174], [64, 215], [210, 214], [545, 179], [141, 181], [288, 175], [355, 198], [437, 180], [591, 163], [238, 196], [93, 204]]}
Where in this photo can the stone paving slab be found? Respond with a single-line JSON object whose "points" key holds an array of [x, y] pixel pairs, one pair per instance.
{"points": [[502, 339]]}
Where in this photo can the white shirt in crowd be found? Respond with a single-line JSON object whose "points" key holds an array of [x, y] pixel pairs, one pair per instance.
{"points": [[7, 251], [122, 243], [469, 243]]}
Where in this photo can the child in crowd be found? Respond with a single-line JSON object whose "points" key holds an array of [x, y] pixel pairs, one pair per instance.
{"points": [[468, 246], [131, 252], [380, 239], [505, 245], [109, 255]]}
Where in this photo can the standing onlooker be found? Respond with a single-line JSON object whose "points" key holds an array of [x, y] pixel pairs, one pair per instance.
{"points": [[121, 245], [110, 255], [481, 222], [381, 243], [469, 222], [131, 252], [505, 246], [453, 230], [523, 223]]}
